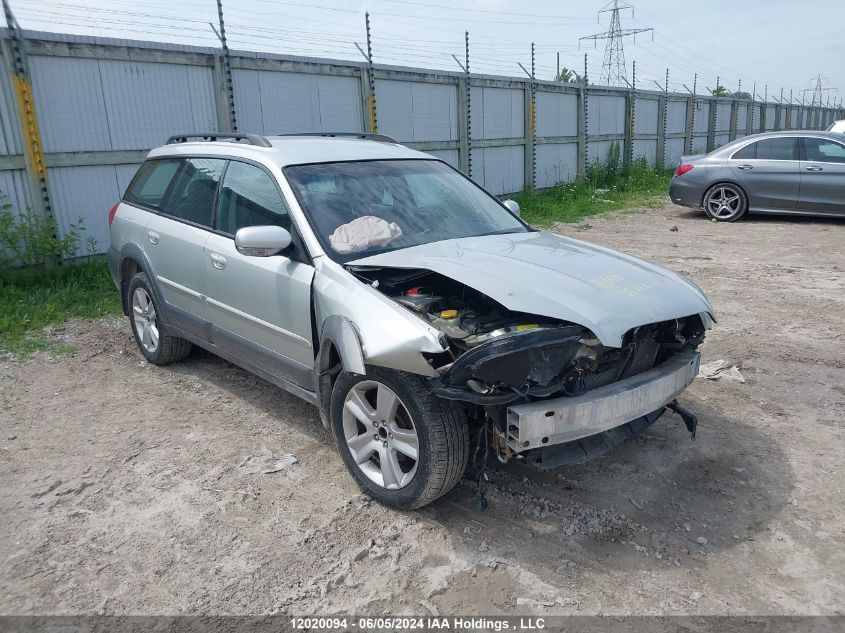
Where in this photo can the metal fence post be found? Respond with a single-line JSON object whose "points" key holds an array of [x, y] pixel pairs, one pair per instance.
{"points": [[630, 121], [734, 118], [221, 98], [372, 115], [690, 124], [583, 134], [463, 125], [749, 117], [35, 166], [227, 71], [365, 98], [662, 113], [530, 153], [711, 124]]}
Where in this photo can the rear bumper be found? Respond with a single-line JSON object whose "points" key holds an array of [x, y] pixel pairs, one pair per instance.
{"points": [[549, 422], [685, 193]]}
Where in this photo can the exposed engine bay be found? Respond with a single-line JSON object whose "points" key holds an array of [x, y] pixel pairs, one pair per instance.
{"points": [[497, 356]]}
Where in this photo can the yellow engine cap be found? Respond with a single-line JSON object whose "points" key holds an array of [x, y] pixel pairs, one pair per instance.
{"points": [[448, 314], [527, 326]]}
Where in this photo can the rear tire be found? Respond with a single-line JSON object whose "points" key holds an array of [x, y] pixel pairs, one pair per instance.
{"points": [[155, 343], [725, 202], [404, 446]]}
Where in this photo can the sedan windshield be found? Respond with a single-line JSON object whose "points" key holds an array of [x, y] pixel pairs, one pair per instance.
{"points": [[361, 208]]}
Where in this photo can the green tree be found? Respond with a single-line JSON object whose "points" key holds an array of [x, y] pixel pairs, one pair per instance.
{"points": [[568, 76], [742, 95], [721, 91]]}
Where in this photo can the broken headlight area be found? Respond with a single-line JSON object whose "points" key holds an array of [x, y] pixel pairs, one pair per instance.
{"points": [[562, 361], [496, 356]]}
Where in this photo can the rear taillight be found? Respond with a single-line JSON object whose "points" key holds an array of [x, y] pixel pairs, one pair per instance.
{"points": [[112, 212], [684, 168]]}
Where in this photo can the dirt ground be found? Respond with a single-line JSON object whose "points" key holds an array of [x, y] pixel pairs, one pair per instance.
{"points": [[129, 488]]}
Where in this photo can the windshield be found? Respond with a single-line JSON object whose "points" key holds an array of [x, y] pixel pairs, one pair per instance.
{"points": [[358, 209]]}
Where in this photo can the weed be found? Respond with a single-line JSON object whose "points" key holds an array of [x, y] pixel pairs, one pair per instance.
{"points": [[605, 187], [31, 299], [28, 239]]}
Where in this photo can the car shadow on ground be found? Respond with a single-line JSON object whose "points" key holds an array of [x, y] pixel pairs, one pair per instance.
{"points": [[765, 218], [260, 393], [658, 501]]}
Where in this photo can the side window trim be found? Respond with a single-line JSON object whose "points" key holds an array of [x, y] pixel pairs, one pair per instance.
{"points": [[165, 199], [215, 211]]}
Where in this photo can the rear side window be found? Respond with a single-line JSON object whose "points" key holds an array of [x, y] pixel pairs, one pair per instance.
{"points": [[149, 185], [747, 152], [191, 194], [249, 197], [770, 149], [821, 150]]}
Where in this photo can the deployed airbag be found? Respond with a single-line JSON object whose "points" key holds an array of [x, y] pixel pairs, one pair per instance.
{"points": [[362, 234]]}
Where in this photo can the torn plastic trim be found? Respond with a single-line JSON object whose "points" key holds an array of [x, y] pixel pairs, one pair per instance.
{"points": [[340, 332], [509, 363], [560, 420]]}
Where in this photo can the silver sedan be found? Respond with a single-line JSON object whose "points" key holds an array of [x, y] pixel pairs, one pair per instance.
{"points": [[795, 172]]}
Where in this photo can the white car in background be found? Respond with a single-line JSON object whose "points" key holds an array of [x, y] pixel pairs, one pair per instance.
{"points": [[837, 126]]}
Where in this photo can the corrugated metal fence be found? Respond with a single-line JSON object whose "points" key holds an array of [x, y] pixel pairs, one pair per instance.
{"points": [[103, 103]]}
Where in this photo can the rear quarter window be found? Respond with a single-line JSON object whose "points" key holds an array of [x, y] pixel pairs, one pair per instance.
{"points": [[149, 185]]}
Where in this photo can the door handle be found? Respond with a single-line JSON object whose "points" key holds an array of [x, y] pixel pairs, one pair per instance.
{"points": [[745, 166], [153, 237], [218, 261], [813, 168]]}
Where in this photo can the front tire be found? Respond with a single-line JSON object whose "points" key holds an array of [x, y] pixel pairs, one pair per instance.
{"points": [[404, 446], [155, 343], [725, 202]]}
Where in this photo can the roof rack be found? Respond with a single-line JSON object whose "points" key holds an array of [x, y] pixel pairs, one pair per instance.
{"points": [[381, 138], [250, 139]]}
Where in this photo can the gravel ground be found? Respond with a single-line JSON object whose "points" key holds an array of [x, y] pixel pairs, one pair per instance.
{"points": [[133, 489]]}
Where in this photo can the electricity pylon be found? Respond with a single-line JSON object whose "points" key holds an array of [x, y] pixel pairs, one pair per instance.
{"points": [[613, 71]]}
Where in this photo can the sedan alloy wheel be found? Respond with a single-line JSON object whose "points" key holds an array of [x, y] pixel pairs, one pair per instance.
{"points": [[725, 203]]}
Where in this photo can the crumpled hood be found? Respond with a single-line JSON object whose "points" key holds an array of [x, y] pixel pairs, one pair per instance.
{"points": [[551, 275]]}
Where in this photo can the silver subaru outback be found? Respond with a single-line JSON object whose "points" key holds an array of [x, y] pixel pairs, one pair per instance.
{"points": [[419, 313]]}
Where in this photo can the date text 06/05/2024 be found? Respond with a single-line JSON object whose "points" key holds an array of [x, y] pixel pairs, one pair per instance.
{"points": [[455, 623]]}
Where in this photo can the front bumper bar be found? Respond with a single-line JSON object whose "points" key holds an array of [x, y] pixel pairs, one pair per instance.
{"points": [[548, 422]]}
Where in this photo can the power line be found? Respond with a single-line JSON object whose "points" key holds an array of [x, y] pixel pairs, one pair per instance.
{"points": [[614, 72]]}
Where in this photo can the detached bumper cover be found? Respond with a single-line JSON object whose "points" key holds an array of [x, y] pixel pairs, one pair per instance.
{"points": [[548, 422]]}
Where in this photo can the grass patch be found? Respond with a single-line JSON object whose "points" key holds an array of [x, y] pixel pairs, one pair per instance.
{"points": [[604, 188], [31, 299]]}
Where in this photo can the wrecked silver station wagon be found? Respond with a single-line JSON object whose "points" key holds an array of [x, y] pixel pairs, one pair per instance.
{"points": [[419, 313]]}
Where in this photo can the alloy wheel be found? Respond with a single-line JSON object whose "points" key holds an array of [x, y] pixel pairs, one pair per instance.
{"points": [[144, 320], [724, 203], [380, 434]]}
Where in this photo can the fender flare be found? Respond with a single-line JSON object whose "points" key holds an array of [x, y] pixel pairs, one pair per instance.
{"points": [[337, 332], [131, 251]]}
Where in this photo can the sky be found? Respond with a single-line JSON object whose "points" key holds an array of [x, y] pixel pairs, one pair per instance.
{"points": [[775, 44]]}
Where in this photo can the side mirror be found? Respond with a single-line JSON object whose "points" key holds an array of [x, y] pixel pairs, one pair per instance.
{"points": [[262, 241], [513, 207]]}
